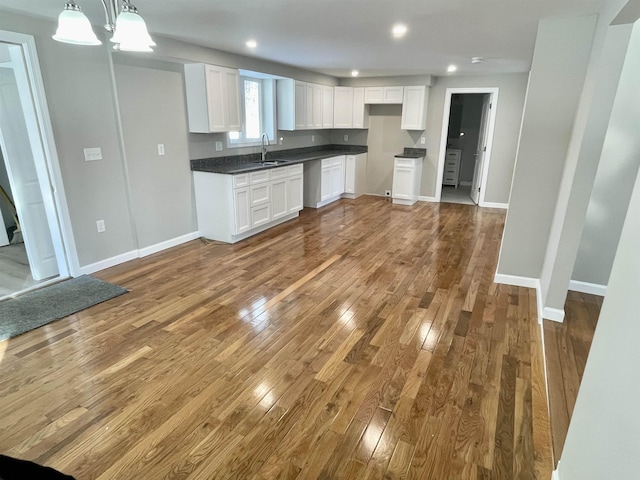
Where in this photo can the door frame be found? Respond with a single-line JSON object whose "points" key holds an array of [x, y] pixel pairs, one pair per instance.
{"points": [[64, 243], [493, 91]]}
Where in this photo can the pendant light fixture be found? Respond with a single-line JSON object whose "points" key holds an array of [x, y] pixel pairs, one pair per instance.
{"points": [[129, 30]]}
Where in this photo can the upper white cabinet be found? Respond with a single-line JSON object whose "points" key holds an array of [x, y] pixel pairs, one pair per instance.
{"points": [[349, 108], [327, 107], [389, 95], [414, 108], [213, 98], [301, 105]]}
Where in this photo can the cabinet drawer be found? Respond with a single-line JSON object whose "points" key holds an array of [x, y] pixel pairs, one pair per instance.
{"points": [[451, 162], [404, 163], [259, 177], [260, 194], [260, 215], [326, 162], [241, 180], [277, 173], [295, 169]]}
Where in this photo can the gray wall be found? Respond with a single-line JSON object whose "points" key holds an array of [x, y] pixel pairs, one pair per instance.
{"points": [[614, 182], [508, 118], [161, 194], [559, 66]]}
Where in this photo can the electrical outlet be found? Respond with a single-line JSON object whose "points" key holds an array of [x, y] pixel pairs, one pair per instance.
{"points": [[91, 154], [161, 149], [100, 226], [346, 138], [387, 193], [218, 146], [281, 141], [423, 140]]}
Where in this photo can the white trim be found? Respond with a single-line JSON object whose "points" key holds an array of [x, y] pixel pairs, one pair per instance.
{"points": [[553, 314], [493, 91], [590, 288], [423, 198], [555, 475], [494, 205], [109, 262], [70, 265], [158, 247]]}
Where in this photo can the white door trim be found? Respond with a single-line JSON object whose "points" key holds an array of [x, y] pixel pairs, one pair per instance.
{"points": [[493, 91], [69, 265]]}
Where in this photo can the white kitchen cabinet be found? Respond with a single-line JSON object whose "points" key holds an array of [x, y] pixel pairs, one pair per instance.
{"points": [[360, 110], [291, 99], [343, 107], [407, 175], [414, 108], [323, 181], [355, 175], [388, 95], [451, 167], [230, 208], [213, 98], [327, 107], [315, 119]]}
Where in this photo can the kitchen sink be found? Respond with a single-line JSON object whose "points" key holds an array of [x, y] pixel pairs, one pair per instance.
{"points": [[272, 163]]}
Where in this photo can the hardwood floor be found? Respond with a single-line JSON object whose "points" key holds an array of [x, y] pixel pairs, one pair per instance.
{"points": [[363, 340], [567, 346]]}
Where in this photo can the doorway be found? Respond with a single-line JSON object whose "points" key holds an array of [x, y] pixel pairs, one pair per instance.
{"points": [[465, 147], [32, 249]]}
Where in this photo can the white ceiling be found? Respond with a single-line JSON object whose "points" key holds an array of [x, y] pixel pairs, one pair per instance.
{"points": [[336, 36]]}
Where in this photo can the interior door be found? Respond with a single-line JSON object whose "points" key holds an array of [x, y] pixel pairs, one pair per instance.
{"points": [[24, 178], [480, 149]]}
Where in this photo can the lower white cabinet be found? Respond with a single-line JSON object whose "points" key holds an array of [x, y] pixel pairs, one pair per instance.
{"points": [[407, 175], [355, 175], [230, 208], [323, 181]]}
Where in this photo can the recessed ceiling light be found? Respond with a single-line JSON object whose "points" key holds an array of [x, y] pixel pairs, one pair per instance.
{"points": [[477, 59], [354, 73], [251, 44], [451, 68], [399, 30]]}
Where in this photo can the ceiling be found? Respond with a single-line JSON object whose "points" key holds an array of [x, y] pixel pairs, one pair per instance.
{"points": [[336, 36]]}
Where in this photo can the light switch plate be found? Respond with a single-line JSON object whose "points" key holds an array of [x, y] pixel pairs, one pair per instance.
{"points": [[161, 149], [91, 154], [100, 226], [313, 138], [423, 140], [346, 138], [218, 146]]}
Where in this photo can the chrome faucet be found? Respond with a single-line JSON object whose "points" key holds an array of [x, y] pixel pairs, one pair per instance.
{"points": [[264, 147]]}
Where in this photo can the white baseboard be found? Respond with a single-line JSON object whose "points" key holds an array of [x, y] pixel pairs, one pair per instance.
{"points": [[158, 247], [494, 205], [553, 314], [133, 254], [108, 262], [427, 199], [555, 475], [590, 288]]}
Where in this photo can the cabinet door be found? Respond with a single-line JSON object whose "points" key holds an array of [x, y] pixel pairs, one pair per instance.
{"points": [[337, 178], [232, 85], [217, 104], [241, 210], [393, 95], [343, 107], [325, 183], [316, 117], [260, 215], [403, 183], [301, 105], [359, 110], [350, 174], [414, 108], [327, 107], [279, 198], [294, 194], [260, 194], [373, 95], [309, 106]]}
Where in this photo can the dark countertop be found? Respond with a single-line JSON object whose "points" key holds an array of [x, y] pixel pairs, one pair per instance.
{"points": [[251, 162], [412, 153]]}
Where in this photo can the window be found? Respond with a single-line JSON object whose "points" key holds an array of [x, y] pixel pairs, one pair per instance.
{"points": [[256, 103]]}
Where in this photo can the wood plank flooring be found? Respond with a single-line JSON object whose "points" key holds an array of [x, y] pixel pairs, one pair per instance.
{"points": [[363, 340], [567, 346]]}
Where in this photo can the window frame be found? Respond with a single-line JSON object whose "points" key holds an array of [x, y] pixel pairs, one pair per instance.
{"points": [[267, 112]]}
